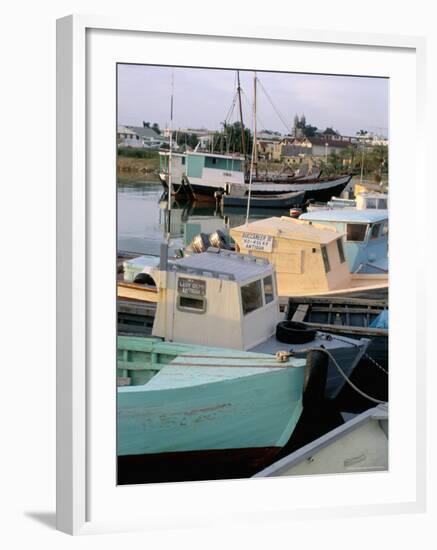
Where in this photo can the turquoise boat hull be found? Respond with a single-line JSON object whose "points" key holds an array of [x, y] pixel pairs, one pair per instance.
{"points": [[219, 405]]}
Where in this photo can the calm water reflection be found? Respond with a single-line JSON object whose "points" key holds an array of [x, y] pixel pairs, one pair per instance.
{"points": [[141, 218]]}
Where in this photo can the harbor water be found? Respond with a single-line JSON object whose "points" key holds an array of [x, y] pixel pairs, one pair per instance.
{"points": [[141, 219]]}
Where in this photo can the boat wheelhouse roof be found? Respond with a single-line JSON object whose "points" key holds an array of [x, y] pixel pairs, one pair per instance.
{"points": [[215, 155], [345, 215], [289, 228], [166, 153], [223, 264]]}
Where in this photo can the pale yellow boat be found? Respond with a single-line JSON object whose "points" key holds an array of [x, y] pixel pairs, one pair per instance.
{"points": [[309, 258]]}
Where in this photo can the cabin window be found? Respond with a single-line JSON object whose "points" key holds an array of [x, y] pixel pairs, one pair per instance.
{"points": [[191, 304], [341, 250], [268, 289], [356, 232], [251, 296], [382, 204], [183, 160], [375, 231], [372, 204], [325, 259]]}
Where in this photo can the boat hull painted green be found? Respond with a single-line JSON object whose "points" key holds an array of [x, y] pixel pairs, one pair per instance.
{"points": [[217, 402]]}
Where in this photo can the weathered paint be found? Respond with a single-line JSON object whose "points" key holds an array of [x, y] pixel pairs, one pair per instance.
{"points": [[195, 164], [241, 400]]}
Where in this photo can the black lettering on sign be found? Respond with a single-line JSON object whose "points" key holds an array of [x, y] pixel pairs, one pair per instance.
{"points": [[257, 241], [191, 287]]}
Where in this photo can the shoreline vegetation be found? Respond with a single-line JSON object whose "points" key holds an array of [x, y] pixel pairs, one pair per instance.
{"points": [[137, 165]]}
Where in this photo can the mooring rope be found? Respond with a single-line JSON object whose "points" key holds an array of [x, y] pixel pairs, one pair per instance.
{"points": [[353, 386]]}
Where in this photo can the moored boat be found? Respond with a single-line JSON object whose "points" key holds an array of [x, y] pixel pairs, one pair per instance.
{"points": [[366, 236], [358, 445], [309, 258], [221, 378], [346, 316], [201, 412], [281, 200]]}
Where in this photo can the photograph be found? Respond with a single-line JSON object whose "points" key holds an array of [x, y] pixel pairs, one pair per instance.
{"points": [[252, 273]]}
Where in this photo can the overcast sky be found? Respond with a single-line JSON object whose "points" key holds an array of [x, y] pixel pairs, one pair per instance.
{"points": [[203, 98]]}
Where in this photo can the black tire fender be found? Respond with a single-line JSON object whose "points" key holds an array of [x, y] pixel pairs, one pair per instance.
{"points": [[291, 332]]}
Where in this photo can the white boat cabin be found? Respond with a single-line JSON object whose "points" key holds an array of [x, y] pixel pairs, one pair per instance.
{"points": [[363, 201], [309, 258], [214, 170], [178, 166], [217, 298]]}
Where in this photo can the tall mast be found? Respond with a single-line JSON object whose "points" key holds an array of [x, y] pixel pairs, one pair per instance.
{"points": [[255, 146], [254, 154], [170, 184], [243, 141]]}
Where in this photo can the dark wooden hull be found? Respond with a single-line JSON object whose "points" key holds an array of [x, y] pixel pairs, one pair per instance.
{"points": [[345, 316], [284, 200], [193, 465], [320, 190]]}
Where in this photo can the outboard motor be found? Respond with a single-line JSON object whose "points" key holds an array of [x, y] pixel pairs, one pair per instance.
{"points": [[200, 243], [218, 239]]}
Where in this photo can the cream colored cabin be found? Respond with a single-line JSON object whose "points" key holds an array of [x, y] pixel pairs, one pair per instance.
{"points": [[309, 258], [218, 298]]}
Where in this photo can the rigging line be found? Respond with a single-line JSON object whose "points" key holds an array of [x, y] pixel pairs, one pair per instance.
{"points": [[280, 116], [250, 107], [231, 108]]}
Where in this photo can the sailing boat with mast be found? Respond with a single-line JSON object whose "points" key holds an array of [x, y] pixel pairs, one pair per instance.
{"points": [[207, 176]]}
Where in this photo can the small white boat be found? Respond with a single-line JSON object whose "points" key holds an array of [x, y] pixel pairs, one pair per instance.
{"points": [[359, 445]]}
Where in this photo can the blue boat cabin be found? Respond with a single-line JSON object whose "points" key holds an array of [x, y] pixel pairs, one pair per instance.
{"points": [[365, 236]]}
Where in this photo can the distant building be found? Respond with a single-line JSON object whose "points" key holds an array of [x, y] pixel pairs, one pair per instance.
{"points": [[126, 137], [150, 139], [318, 147], [140, 137]]}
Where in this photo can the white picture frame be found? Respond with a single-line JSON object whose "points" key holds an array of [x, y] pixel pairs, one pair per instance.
{"points": [[77, 235]]}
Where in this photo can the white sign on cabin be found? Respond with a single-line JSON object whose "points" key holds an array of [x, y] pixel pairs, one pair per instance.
{"points": [[191, 287], [257, 241]]}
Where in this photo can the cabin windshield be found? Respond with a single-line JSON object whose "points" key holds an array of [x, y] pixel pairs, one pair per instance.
{"points": [[372, 204], [269, 293], [341, 250], [356, 232], [326, 259], [374, 233], [251, 296]]}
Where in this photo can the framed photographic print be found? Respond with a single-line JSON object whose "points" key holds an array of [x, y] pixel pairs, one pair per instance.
{"points": [[232, 275]]}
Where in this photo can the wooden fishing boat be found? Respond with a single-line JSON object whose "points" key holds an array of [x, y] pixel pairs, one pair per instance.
{"points": [[221, 377], [282, 200], [309, 258], [201, 412], [345, 316], [358, 445], [240, 293]]}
